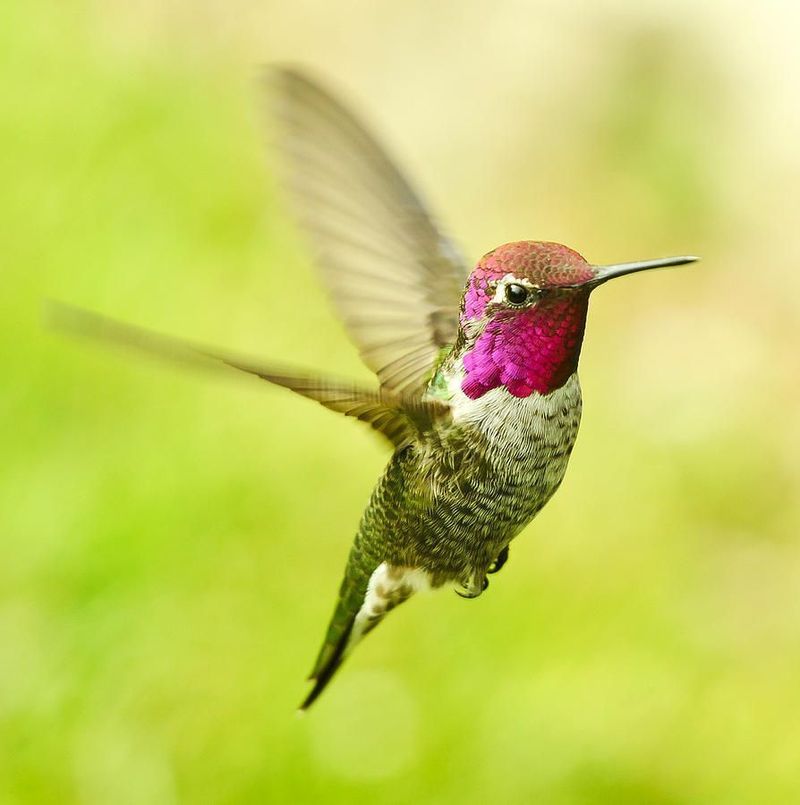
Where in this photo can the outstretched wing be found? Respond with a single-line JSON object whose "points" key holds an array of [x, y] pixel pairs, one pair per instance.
{"points": [[395, 280], [398, 418]]}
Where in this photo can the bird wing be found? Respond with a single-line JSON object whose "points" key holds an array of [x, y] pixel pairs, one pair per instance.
{"points": [[395, 280], [397, 417], [401, 419]]}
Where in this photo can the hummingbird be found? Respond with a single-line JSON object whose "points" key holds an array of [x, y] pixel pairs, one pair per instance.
{"points": [[477, 391]]}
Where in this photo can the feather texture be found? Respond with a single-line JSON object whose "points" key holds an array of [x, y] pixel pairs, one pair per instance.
{"points": [[398, 418], [395, 280]]}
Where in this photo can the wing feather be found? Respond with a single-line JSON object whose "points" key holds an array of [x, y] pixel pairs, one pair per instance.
{"points": [[399, 418], [393, 277]]}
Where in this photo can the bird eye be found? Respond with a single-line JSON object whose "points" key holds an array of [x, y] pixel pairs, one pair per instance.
{"points": [[516, 294]]}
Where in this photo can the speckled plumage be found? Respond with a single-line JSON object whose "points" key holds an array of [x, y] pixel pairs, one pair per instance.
{"points": [[478, 398], [452, 500], [495, 375]]}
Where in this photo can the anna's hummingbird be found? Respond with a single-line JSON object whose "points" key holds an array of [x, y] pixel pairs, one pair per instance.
{"points": [[477, 394]]}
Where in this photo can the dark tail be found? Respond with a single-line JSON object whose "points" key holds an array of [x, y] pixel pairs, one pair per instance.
{"points": [[345, 629], [328, 663]]}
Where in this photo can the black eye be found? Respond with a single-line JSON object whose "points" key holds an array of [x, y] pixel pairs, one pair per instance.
{"points": [[516, 294]]}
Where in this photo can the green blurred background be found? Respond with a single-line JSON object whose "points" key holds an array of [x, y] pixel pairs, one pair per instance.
{"points": [[172, 544]]}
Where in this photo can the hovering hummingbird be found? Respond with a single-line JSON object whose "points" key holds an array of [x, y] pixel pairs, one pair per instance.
{"points": [[477, 392]]}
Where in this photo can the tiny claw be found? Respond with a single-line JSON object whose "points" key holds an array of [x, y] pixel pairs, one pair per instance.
{"points": [[471, 593], [498, 563]]}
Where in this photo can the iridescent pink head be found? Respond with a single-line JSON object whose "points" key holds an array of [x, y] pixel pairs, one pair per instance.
{"points": [[524, 313]]}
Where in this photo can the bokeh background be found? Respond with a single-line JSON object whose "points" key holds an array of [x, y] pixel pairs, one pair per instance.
{"points": [[172, 543]]}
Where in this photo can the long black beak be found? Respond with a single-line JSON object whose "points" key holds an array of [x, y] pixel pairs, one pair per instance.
{"points": [[605, 273]]}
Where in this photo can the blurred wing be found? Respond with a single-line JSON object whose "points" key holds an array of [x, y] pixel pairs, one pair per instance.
{"points": [[395, 280], [396, 417]]}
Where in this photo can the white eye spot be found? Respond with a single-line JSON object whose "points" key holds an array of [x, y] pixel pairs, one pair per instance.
{"points": [[514, 292]]}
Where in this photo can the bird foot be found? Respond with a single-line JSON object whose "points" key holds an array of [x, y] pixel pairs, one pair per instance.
{"points": [[472, 592], [498, 563]]}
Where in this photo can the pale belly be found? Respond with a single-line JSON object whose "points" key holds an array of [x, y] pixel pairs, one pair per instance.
{"points": [[486, 480]]}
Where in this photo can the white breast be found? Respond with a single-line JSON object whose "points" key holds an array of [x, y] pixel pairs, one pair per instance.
{"points": [[502, 416]]}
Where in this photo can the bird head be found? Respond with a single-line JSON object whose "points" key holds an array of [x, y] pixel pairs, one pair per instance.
{"points": [[523, 315]]}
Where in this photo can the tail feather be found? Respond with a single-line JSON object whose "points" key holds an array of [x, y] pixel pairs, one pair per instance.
{"points": [[363, 604], [330, 658], [339, 638]]}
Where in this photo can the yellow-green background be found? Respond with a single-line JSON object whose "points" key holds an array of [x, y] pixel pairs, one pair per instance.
{"points": [[172, 543]]}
